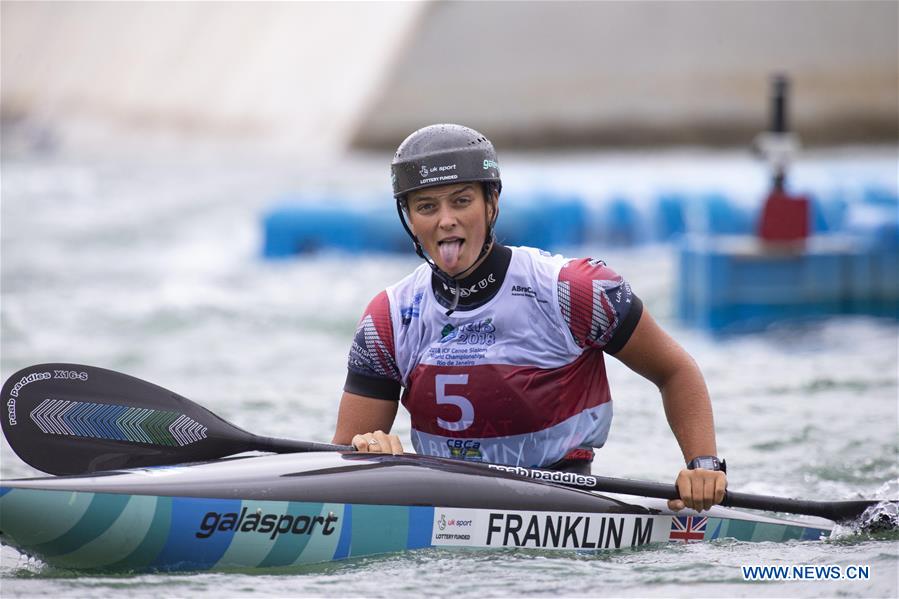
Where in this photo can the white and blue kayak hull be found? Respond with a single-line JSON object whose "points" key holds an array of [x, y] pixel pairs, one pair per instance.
{"points": [[223, 516]]}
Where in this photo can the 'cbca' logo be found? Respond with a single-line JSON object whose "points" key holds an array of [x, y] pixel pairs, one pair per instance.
{"points": [[465, 449]]}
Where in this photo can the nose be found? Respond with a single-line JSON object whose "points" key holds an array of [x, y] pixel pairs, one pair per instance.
{"points": [[445, 217]]}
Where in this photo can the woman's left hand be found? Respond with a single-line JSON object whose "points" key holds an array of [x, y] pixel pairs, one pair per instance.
{"points": [[378, 442], [699, 489]]}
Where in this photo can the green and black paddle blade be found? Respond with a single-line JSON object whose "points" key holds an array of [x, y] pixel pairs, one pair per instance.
{"points": [[75, 419]]}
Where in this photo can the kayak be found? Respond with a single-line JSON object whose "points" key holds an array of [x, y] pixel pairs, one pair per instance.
{"points": [[276, 512]]}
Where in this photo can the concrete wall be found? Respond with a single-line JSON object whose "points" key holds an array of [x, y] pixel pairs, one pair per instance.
{"points": [[312, 78], [607, 73], [293, 75]]}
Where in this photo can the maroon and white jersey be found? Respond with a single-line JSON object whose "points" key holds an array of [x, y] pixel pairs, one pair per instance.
{"points": [[518, 380]]}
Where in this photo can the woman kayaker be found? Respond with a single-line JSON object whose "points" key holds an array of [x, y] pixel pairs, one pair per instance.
{"points": [[499, 350]]}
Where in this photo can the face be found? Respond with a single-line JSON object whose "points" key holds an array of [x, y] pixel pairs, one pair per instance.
{"points": [[450, 221]]}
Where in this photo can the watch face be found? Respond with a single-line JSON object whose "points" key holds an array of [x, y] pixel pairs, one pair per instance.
{"points": [[706, 463]]}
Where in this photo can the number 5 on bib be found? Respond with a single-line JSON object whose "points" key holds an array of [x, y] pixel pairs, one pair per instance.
{"points": [[467, 417]]}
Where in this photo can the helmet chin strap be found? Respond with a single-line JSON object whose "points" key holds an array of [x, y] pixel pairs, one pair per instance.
{"points": [[446, 278]]}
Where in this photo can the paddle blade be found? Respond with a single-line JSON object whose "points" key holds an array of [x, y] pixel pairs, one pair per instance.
{"points": [[75, 419]]}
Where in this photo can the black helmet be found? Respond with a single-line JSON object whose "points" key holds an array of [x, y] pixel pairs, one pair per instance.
{"points": [[443, 155]]}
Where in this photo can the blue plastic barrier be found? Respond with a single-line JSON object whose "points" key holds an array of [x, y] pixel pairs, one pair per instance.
{"points": [[828, 214], [714, 214], [543, 221], [886, 272], [297, 227], [292, 228], [669, 216], [555, 222], [618, 223], [881, 196], [736, 284]]}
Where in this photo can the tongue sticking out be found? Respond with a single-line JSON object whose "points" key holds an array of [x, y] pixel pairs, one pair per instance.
{"points": [[449, 254]]}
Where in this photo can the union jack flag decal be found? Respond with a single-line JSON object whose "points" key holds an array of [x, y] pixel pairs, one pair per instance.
{"points": [[688, 528]]}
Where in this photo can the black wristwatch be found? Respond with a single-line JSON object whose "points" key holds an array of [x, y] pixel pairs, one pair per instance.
{"points": [[707, 462]]}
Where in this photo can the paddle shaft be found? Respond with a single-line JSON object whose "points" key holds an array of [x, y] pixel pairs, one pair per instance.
{"points": [[837, 511], [832, 510], [276, 445]]}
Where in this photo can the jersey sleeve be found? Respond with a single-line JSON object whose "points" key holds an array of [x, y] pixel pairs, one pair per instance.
{"points": [[598, 305], [371, 367]]}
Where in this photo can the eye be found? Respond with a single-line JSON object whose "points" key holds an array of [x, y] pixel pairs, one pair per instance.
{"points": [[463, 200], [424, 207]]}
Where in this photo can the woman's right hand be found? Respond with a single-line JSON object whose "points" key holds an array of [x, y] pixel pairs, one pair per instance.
{"points": [[378, 442]]}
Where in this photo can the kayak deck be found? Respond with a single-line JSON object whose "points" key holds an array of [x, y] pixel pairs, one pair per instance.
{"points": [[219, 516]]}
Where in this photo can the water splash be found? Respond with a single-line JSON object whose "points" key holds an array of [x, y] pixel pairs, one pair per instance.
{"points": [[879, 521], [882, 517]]}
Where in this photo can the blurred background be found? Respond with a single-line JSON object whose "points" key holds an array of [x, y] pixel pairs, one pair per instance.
{"points": [[318, 79], [197, 194]]}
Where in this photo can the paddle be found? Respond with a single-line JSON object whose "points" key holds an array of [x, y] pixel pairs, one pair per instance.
{"points": [[74, 419], [837, 511]]}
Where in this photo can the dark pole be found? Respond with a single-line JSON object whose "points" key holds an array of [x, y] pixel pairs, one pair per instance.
{"points": [[780, 86]]}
